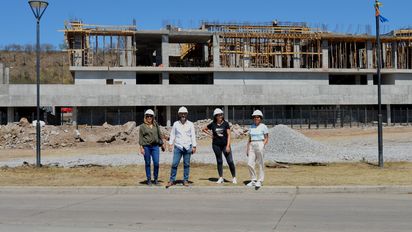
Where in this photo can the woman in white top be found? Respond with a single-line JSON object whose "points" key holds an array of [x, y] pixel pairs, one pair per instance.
{"points": [[258, 138]]}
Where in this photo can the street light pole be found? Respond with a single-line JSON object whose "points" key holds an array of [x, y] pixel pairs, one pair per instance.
{"points": [[379, 76], [38, 8]]}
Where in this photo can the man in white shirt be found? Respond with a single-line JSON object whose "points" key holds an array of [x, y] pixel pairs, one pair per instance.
{"points": [[183, 142]]}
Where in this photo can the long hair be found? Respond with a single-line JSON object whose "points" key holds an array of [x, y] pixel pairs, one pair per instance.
{"points": [[147, 123], [215, 120]]}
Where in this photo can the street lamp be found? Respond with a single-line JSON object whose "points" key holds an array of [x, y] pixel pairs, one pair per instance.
{"points": [[38, 8], [379, 76]]}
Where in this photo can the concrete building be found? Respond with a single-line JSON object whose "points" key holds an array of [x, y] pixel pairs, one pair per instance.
{"points": [[295, 74]]}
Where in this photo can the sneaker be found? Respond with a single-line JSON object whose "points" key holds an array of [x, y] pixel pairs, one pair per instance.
{"points": [[156, 182], [149, 182], [170, 183], [221, 180], [258, 184], [252, 183], [186, 183], [234, 180]]}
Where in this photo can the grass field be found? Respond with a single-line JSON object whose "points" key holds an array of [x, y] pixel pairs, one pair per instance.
{"points": [[205, 175]]}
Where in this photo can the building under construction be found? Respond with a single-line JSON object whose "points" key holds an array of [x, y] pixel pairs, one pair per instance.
{"points": [[294, 73]]}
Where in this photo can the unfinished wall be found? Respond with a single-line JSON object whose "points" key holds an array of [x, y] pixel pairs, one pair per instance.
{"points": [[101, 77], [244, 78]]}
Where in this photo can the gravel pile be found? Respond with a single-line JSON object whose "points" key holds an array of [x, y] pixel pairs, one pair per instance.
{"points": [[290, 146]]}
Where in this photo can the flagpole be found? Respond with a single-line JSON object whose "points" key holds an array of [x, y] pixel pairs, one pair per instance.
{"points": [[379, 64]]}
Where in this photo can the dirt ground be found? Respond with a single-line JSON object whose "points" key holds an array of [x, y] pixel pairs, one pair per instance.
{"points": [[340, 136], [206, 175], [368, 134]]}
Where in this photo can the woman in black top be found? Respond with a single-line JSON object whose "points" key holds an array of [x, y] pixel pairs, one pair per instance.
{"points": [[219, 129]]}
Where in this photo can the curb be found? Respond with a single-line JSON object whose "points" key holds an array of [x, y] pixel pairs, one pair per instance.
{"points": [[205, 189]]}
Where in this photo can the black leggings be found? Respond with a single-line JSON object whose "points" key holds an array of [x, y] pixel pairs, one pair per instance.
{"points": [[229, 159]]}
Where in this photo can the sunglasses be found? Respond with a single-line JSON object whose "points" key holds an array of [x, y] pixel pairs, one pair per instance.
{"points": [[219, 115], [256, 117], [149, 116]]}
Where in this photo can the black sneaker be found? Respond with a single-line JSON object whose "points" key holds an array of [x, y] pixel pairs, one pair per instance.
{"points": [[169, 184], [149, 182], [156, 182]]}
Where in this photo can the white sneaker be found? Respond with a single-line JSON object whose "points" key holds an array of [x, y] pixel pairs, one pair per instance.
{"points": [[251, 184], [258, 184], [221, 180], [234, 180]]}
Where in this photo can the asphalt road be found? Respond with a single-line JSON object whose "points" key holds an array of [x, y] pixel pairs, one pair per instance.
{"points": [[201, 210]]}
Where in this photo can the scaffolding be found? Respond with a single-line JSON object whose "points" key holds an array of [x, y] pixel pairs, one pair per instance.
{"points": [[97, 45], [241, 45]]}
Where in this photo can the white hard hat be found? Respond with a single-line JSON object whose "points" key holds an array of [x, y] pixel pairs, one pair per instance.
{"points": [[182, 110], [149, 112], [217, 111], [257, 113]]}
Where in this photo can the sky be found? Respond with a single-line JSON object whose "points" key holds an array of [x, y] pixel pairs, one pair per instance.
{"points": [[349, 16]]}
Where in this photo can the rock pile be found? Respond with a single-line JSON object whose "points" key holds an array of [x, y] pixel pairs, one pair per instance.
{"points": [[237, 130], [22, 135]]}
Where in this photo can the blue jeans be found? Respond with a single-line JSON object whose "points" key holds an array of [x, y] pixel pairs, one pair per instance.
{"points": [[177, 156], [151, 152]]}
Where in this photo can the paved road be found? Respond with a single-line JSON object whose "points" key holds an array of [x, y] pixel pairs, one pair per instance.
{"points": [[49, 210]]}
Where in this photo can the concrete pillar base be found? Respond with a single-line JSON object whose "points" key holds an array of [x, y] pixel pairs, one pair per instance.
{"points": [[168, 116], [74, 116], [10, 115], [388, 114]]}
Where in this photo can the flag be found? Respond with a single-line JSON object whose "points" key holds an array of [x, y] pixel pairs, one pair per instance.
{"points": [[383, 19], [378, 13]]}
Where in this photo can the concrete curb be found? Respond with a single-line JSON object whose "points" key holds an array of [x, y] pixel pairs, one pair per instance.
{"points": [[206, 189]]}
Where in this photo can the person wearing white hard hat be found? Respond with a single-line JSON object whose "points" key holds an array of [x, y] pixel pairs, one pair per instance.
{"points": [[219, 130], [183, 143], [150, 139], [258, 138]]}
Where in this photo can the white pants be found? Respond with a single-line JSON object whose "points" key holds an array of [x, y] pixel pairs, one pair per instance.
{"points": [[256, 156]]}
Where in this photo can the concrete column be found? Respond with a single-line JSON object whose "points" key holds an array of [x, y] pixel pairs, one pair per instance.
{"points": [[168, 116], [126, 55], [296, 55], [358, 79], [388, 114], [10, 115], [369, 52], [1, 73], [226, 110], [205, 53], [74, 116], [165, 78], [216, 51], [7, 76], [370, 79], [165, 50], [395, 55], [325, 54]]}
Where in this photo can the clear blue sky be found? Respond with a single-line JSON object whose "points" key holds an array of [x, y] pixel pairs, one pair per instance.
{"points": [[18, 24]]}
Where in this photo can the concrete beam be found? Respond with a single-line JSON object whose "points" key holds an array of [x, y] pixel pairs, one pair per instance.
{"points": [[192, 95]]}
